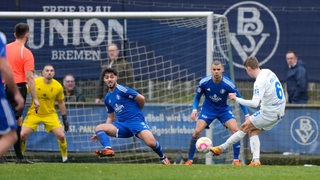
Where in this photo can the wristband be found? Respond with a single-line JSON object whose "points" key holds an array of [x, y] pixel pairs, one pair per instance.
{"points": [[64, 117]]}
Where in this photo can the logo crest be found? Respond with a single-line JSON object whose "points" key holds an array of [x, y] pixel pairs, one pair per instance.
{"points": [[256, 29], [304, 130]]}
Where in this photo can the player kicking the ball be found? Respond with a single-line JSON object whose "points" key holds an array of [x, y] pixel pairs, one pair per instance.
{"points": [[268, 94], [126, 105]]}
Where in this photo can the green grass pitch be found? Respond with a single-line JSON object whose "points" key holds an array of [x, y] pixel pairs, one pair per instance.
{"points": [[96, 171]]}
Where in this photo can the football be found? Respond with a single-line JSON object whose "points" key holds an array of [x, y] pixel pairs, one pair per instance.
{"points": [[203, 144]]}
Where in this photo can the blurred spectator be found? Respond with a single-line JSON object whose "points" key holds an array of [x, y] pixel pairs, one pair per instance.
{"points": [[71, 92], [124, 68], [297, 80]]}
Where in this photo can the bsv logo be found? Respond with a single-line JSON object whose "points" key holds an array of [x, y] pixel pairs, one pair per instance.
{"points": [[304, 130], [256, 29]]}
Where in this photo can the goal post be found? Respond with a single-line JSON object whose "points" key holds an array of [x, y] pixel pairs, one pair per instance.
{"points": [[169, 53]]}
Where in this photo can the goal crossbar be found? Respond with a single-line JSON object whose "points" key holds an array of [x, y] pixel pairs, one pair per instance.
{"points": [[34, 15]]}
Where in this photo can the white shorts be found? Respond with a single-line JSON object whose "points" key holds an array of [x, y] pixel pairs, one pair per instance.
{"points": [[260, 122]]}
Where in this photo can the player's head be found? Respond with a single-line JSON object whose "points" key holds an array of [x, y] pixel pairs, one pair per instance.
{"points": [[252, 65], [291, 58], [48, 72], [113, 51], [217, 69], [21, 30], [110, 77], [69, 82]]}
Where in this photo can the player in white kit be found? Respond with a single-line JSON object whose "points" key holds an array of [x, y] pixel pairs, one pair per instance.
{"points": [[269, 95]]}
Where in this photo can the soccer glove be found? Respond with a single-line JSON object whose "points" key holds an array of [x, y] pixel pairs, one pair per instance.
{"points": [[65, 123]]}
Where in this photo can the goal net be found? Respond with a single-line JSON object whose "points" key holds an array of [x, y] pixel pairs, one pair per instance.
{"points": [[169, 52]]}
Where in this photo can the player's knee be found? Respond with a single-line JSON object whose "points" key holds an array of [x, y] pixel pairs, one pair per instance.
{"points": [[196, 134], [23, 135], [151, 143]]}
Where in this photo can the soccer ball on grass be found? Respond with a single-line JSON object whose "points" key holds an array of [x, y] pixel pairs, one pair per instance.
{"points": [[203, 144]]}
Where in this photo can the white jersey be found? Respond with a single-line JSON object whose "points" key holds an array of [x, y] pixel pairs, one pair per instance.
{"points": [[268, 90]]}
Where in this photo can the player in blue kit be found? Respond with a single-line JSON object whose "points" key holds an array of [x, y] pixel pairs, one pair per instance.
{"points": [[125, 105], [216, 88], [8, 126]]}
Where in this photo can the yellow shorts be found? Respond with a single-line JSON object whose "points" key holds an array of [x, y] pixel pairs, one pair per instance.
{"points": [[50, 121]]}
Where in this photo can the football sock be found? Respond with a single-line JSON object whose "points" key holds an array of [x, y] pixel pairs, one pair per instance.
{"points": [[255, 147], [23, 147], [237, 136], [63, 147], [17, 145], [103, 138], [192, 148], [158, 150], [236, 150]]}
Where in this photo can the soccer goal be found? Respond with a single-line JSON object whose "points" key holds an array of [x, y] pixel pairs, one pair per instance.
{"points": [[169, 53]]}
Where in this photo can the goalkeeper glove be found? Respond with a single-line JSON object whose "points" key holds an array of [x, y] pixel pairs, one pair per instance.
{"points": [[65, 123]]}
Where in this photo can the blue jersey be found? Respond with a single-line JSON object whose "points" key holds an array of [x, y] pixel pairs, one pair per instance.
{"points": [[7, 118], [216, 95], [121, 101], [2, 55]]}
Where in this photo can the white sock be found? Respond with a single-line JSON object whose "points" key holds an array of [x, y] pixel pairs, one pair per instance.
{"points": [[64, 158], [237, 136], [255, 147]]}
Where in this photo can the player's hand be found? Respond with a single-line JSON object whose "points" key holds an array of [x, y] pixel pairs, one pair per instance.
{"points": [[232, 96], [65, 123], [19, 100], [36, 105], [94, 138], [194, 115]]}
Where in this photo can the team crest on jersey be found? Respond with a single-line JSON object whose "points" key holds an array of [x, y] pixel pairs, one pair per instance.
{"points": [[304, 130], [118, 97], [199, 90], [222, 91], [251, 33]]}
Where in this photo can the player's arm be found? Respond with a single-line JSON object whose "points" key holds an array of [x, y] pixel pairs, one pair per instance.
{"points": [[254, 102], [141, 100], [6, 72], [110, 118], [243, 108], [63, 110], [196, 101]]}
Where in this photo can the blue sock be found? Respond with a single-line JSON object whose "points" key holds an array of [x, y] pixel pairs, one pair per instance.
{"points": [[103, 138], [158, 150], [192, 148], [236, 150]]}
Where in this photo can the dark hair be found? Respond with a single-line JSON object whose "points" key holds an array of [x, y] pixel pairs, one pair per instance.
{"points": [[110, 70], [251, 62], [21, 29], [294, 53], [217, 62]]}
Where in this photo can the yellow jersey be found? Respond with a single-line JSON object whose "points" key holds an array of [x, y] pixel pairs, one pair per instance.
{"points": [[47, 95]]}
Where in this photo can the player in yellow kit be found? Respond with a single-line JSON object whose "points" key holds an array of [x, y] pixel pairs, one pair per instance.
{"points": [[48, 92]]}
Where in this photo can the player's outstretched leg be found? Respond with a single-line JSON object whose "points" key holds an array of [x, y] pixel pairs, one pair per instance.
{"points": [[105, 141], [158, 149]]}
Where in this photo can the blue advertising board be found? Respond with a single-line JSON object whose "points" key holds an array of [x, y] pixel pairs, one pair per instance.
{"points": [[297, 132]]}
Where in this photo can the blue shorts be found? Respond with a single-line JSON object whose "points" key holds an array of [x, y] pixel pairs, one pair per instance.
{"points": [[222, 116], [131, 127], [7, 117]]}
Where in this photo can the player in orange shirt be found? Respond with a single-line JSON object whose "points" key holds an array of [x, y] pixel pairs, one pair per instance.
{"points": [[21, 62]]}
